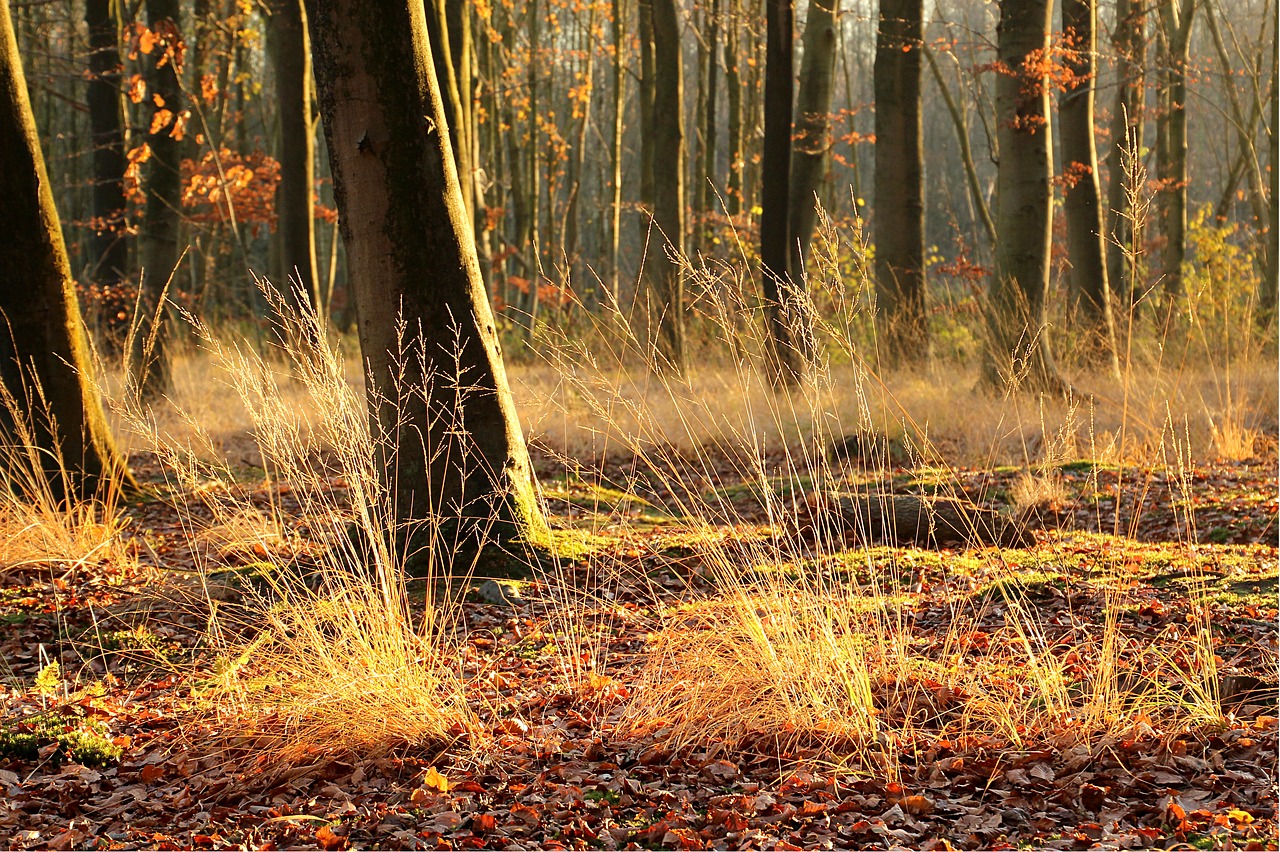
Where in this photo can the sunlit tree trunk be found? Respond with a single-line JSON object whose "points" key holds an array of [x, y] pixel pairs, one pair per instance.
{"points": [[615, 147], [1018, 352], [109, 252], [786, 357], [898, 224], [710, 125], [291, 52], [43, 349], [1086, 248], [663, 271], [1128, 118], [811, 134], [459, 451]]}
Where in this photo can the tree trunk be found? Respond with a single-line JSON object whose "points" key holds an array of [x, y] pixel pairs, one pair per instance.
{"points": [[1018, 350], [1127, 122], [1086, 248], [663, 271], [615, 181], [1171, 147], [447, 67], [43, 351], [109, 251], [898, 225], [976, 195], [645, 8], [811, 143], [709, 132], [160, 225], [458, 453], [733, 93], [1246, 132], [1270, 285], [786, 357], [291, 52]]}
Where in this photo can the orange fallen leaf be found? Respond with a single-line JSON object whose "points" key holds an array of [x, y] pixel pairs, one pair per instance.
{"points": [[329, 839], [433, 780]]}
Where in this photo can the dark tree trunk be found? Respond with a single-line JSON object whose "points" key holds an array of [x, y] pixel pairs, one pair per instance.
{"points": [[784, 338], [898, 224], [733, 94], [1018, 352], [709, 133], [1086, 247], [161, 221], [291, 52], [645, 9], [1171, 146], [1128, 119], [109, 251], [663, 271], [460, 455], [811, 134], [43, 349]]}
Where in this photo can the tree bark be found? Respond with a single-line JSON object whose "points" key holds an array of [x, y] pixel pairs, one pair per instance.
{"points": [[1174, 42], [811, 133], [898, 225], [44, 354], [663, 271], [615, 146], [149, 358], [109, 250], [1086, 248], [1128, 120], [447, 67], [786, 356], [295, 208], [733, 95], [980, 206], [711, 122], [1018, 352], [457, 451]]}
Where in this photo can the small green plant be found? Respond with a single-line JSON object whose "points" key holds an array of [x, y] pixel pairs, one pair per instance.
{"points": [[82, 740]]}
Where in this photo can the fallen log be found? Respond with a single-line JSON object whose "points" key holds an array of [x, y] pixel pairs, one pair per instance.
{"points": [[909, 519]]}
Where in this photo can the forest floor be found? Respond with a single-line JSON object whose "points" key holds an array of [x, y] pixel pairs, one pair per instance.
{"points": [[105, 752]]}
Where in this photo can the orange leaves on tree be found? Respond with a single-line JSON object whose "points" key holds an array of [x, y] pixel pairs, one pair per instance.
{"points": [[208, 88], [1072, 174], [133, 172], [137, 89], [243, 184], [163, 41]]}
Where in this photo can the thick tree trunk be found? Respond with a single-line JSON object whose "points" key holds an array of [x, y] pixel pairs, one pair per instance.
{"points": [[291, 54], [663, 271], [43, 349], [459, 457], [898, 225], [1171, 148], [1018, 350], [786, 355], [149, 358], [1128, 118], [733, 94], [109, 251], [811, 134], [1086, 248]]}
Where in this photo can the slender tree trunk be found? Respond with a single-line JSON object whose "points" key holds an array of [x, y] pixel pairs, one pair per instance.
{"points": [[1246, 132], [577, 156], [291, 53], [447, 68], [615, 182], [109, 252], [646, 104], [786, 355], [733, 92], [1171, 152], [665, 280], [160, 226], [1270, 285], [43, 348], [1018, 350], [1086, 248], [976, 195], [1128, 119], [459, 452], [811, 134], [710, 126], [533, 193], [898, 225]]}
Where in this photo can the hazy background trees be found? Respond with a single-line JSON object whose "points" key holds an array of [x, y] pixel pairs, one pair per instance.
{"points": [[589, 135]]}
